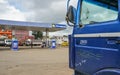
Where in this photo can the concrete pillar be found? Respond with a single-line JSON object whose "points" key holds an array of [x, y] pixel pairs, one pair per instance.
{"points": [[46, 38], [13, 34]]}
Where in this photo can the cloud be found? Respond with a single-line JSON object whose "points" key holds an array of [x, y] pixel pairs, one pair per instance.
{"points": [[50, 11], [10, 12], [2, 1]]}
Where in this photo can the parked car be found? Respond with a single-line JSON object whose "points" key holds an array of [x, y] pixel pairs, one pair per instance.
{"points": [[8, 42], [2, 42], [33, 42], [27, 43], [21, 43], [64, 43]]}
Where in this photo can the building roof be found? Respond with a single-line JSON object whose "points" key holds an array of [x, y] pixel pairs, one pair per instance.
{"points": [[34, 26]]}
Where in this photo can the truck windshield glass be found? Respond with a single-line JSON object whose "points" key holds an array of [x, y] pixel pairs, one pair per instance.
{"points": [[95, 11]]}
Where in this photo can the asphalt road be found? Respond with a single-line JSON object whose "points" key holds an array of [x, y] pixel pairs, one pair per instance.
{"points": [[34, 61]]}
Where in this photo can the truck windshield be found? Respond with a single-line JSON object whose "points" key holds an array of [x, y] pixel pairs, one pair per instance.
{"points": [[95, 11]]}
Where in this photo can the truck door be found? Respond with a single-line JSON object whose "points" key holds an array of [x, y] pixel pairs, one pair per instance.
{"points": [[97, 41]]}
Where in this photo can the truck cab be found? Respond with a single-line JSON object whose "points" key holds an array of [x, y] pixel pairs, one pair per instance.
{"points": [[94, 45]]}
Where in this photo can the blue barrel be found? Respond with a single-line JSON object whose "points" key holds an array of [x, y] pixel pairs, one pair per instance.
{"points": [[53, 44], [14, 45]]}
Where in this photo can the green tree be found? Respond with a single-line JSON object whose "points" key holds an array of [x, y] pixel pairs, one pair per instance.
{"points": [[37, 34]]}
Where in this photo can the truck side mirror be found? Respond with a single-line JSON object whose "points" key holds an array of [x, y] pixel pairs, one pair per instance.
{"points": [[70, 16]]}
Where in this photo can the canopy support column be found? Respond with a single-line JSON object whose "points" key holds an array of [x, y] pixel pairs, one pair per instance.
{"points": [[46, 37]]}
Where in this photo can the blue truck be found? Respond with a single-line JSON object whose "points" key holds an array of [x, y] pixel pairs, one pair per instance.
{"points": [[94, 47]]}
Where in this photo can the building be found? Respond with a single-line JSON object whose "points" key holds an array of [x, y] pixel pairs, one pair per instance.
{"points": [[5, 33], [21, 35], [60, 39]]}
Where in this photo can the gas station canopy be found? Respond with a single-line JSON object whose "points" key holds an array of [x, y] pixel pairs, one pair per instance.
{"points": [[33, 26]]}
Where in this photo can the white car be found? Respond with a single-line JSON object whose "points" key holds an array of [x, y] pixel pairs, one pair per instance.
{"points": [[8, 42]]}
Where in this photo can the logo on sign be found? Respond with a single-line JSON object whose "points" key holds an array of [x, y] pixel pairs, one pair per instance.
{"points": [[83, 42], [53, 25]]}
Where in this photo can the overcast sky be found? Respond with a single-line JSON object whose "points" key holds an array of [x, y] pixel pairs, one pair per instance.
{"points": [[50, 11], [43, 11]]}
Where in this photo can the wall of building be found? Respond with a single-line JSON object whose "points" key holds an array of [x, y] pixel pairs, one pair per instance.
{"points": [[21, 35], [5, 33], [60, 39]]}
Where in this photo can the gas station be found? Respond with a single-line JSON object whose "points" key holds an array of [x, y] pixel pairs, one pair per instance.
{"points": [[31, 26]]}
